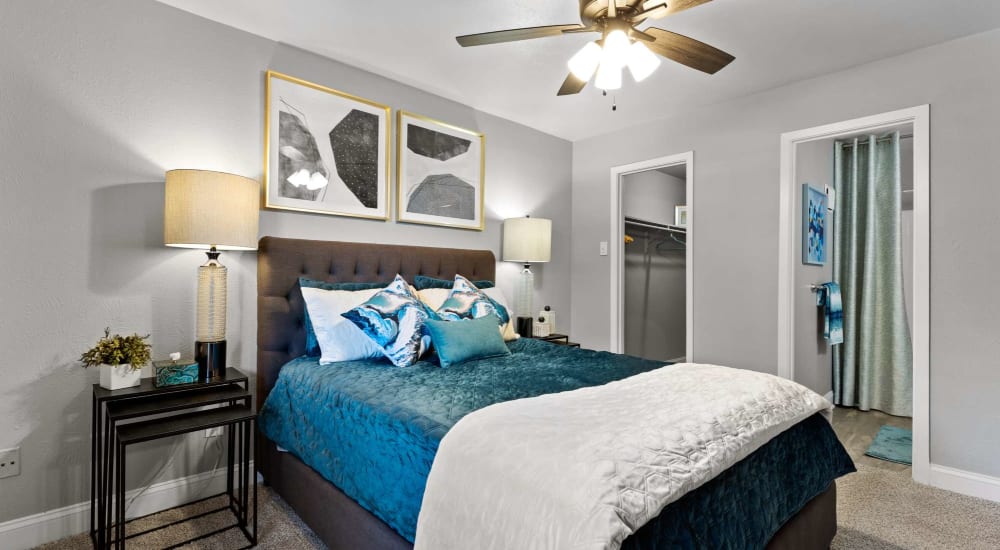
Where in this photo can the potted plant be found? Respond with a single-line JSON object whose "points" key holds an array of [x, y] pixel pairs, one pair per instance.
{"points": [[120, 359]]}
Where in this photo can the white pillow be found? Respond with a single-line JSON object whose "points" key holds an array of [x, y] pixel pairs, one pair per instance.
{"points": [[433, 297], [338, 338], [507, 330]]}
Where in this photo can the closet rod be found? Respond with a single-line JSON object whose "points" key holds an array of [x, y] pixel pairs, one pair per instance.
{"points": [[653, 225], [887, 138]]}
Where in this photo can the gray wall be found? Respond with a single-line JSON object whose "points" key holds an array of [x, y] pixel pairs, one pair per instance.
{"points": [[814, 165], [655, 316], [97, 100], [736, 196]]}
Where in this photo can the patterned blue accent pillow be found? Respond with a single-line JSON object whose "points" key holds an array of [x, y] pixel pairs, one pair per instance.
{"points": [[422, 282], [468, 302], [312, 344], [394, 319]]}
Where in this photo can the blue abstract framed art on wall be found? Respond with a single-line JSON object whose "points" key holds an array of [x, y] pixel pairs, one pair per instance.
{"points": [[814, 233]]}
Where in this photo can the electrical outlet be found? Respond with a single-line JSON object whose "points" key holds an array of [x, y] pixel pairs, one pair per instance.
{"points": [[213, 432], [10, 462]]}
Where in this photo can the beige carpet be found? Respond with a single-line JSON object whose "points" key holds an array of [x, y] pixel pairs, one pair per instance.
{"points": [[879, 508]]}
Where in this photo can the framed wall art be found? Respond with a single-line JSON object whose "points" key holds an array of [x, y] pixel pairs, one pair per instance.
{"points": [[814, 233], [440, 173], [325, 151]]}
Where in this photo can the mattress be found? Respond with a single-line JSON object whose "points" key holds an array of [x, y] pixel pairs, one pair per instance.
{"points": [[373, 429]]}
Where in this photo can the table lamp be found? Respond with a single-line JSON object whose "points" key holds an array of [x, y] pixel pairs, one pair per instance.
{"points": [[526, 240], [213, 211]]}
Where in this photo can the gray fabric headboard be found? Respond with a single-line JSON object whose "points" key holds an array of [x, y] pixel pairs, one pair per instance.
{"points": [[281, 333]]}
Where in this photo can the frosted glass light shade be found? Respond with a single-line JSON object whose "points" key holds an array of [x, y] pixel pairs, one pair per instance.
{"points": [[641, 61], [609, 76], [204, 209], [616, 48], [527, 240], [212, 290], [584, 62]]}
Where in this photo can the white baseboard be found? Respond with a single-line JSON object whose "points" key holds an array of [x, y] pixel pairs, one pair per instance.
{"points": [[36, 529], [966, 483]]}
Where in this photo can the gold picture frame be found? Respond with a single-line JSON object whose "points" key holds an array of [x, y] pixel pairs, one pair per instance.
{"points": [[441, 178], [302, 170]]}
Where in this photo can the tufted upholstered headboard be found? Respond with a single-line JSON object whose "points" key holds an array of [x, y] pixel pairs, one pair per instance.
{"points": [[281, 334]]}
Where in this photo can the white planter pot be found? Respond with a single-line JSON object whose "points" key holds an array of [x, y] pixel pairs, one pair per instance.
{"points": [[119, 376]]}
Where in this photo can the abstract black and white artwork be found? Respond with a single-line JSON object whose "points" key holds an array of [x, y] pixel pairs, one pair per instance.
{"points": [[326, 151], [440, 173]]}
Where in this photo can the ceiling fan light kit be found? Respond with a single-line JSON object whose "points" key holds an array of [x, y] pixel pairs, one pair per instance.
{"points": [[623, 44]]}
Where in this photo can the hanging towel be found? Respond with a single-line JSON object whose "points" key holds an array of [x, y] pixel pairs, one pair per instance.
{"points": [[828, 297]]}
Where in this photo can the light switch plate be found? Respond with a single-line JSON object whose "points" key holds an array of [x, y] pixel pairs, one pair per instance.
{"points": [[604, 248]]}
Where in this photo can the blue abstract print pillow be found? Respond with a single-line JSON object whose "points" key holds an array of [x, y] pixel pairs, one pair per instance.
{"points": [[468, 302], [394, 319]]}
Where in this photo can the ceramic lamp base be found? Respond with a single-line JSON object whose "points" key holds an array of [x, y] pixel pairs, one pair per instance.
{"points": [[211, 358]]}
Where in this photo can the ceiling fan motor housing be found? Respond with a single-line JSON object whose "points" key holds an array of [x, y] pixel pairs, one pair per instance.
{"points": [[592, 11]]}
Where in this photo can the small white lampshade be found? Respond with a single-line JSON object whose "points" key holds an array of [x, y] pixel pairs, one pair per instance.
{"points": [[584, 62], [204, 209], [641, 61], [527, 240]]}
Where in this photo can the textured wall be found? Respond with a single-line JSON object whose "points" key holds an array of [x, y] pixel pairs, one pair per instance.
{"points": [[813, 165], [736, 247], [97, 100]]}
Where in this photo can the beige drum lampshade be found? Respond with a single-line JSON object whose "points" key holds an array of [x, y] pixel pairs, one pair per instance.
{"points": [[527, 240], [204, 209]]}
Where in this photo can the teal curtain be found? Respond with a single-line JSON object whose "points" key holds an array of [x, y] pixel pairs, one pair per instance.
{"points": [[873, 369]]}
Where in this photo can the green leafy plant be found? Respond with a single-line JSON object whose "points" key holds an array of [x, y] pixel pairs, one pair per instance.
{"points": [[118, 350]]}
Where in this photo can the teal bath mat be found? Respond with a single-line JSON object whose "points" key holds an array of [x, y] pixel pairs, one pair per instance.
{"points": [[892, 444]]}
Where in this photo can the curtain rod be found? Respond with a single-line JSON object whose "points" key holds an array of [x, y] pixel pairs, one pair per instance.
{"points": [[886, 138]]}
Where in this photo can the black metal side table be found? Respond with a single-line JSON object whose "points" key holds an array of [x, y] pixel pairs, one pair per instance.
{"points": [[560, 339], [120, 418]]}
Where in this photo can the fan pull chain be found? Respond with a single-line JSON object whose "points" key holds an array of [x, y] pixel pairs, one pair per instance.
{"points": [[614, 100]]}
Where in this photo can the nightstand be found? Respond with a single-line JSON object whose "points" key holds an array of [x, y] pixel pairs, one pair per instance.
{"points": [[560, 339], [121, 418]]}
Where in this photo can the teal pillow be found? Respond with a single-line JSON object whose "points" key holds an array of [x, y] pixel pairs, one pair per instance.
{"points": [[460, 341], [312, 344], [468, 302], [421, 282], [394, 319]]}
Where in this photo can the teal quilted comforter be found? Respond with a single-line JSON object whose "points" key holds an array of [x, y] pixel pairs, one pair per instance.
{"points": [[373, 429]]}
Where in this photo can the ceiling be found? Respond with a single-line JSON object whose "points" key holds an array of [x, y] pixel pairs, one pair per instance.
{"points": [[775, 42]]}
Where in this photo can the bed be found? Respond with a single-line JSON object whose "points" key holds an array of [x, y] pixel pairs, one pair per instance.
{"points": [[779, 491]]}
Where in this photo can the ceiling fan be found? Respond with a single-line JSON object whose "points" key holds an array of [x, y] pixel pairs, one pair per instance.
{"points": [[621, 44]]}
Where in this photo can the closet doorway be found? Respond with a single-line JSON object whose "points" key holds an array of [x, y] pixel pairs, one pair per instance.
{"points": [[651, 258]]}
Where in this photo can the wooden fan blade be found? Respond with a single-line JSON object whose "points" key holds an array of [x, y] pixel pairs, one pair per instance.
{"points": [[688, 51], [572, 85], [513, 35]]}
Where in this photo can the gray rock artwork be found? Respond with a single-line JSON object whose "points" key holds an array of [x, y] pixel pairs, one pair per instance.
{"points": [[298, 152], [355, 152], [435, 145], [444, 195]]}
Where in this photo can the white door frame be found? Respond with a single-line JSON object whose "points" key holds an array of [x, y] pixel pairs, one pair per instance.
{"points": [[617, 342], [788, 218]]}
